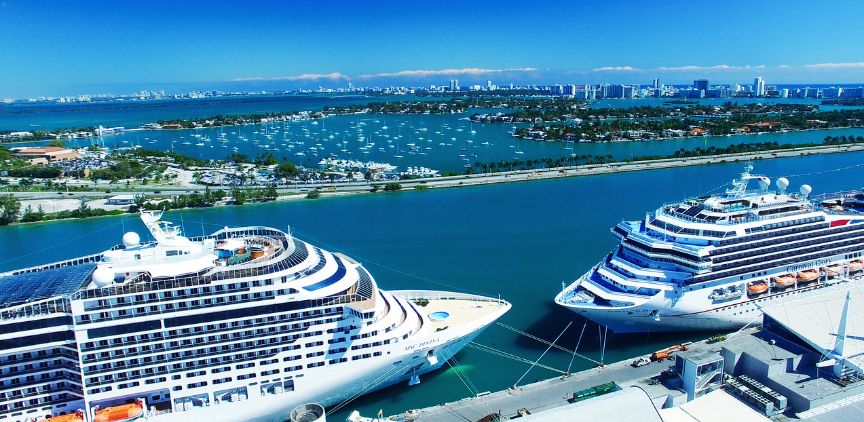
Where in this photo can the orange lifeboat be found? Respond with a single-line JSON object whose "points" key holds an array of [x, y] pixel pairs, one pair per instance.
{"points": [[71, 417], [121, 413], [856, 265], [808, 276], [833, 270], [784, 281], [757, 288]]}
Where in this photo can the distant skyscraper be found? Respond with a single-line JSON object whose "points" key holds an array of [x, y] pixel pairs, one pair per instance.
{"points": [[656, 84], [701, 84], [454, 85], [759, 87]]}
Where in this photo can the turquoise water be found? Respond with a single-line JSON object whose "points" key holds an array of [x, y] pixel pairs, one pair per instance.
{"points": [[519, 240]]}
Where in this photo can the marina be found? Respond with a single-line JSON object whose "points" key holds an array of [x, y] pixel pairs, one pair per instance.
{"points": [[472, 228]]}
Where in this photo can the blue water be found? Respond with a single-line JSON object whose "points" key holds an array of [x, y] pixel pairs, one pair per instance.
{"points": [[520, 240], [47, 116], [441, 142]]}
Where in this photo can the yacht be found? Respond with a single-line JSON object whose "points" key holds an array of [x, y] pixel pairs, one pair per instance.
{"points": [[242, 324], [714, 262]]}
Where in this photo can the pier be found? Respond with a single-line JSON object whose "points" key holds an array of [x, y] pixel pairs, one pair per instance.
{"points": [[794, 368]]}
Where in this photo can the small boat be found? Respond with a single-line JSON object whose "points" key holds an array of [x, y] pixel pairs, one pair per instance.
{"points": [[856, 266], [121, 413], [808, 276], [757, 288], [78, 416], [784, 281]]}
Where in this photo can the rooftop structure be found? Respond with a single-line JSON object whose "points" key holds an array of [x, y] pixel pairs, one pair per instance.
{"points": [[44, 155]]}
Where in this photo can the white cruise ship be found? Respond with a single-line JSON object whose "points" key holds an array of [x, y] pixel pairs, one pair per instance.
{"points": [[712, 262], [243, 324]]}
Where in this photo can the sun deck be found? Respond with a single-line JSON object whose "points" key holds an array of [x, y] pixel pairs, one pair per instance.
{"points": [[444, 309]]}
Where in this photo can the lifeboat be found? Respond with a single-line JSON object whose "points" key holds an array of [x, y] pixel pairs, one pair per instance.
{"points": [[808, 276], [856, 266], [757, 288], [833, 270], [71, 417], [121, 413], [784, 281]]}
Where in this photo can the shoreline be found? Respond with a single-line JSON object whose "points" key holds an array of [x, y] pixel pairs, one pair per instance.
{"points": [[361, 188]]}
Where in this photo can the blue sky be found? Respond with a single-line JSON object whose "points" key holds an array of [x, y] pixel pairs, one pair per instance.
{"points": [[70, 47]]}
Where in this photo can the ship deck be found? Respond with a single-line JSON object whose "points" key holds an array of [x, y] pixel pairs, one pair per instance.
{"points": [[444, 309]]}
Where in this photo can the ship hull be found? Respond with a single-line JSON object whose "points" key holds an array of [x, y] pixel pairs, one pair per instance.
{"points": [[331, 386], [691, 312]]}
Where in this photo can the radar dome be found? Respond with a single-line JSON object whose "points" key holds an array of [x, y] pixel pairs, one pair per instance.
{"points": [[782, 183], [805, 190], [103, 276], [131, 239], [764, 182]]}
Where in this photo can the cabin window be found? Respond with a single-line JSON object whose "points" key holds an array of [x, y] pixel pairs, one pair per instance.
{"points": [[138, 256], [172, 253]]}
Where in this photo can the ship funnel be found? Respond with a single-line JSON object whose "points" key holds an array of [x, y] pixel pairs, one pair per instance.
{"points": [[782, 184], [805, 190]]}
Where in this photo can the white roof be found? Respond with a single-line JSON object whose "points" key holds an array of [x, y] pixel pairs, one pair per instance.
{"points": [[630, 404], [815, 319], [124, 197], [716, 406]]}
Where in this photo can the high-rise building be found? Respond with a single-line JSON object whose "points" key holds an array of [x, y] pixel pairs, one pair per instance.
{"points": [[656, 84], [759, 87], [489, 86], [454, 85], [701, 84]]}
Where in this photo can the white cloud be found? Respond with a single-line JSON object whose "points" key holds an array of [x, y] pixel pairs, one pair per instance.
{"points": [[717, 67], [615, 69], [852, 65], [422, 73], [333, 76]]}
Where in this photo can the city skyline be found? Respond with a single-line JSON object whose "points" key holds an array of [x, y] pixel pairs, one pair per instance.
{"points": [[228, 45]]}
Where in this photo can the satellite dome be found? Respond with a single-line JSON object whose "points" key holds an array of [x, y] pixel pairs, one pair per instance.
{"points": [[103, 276], [805, 190], [131, 239], [764, 182], [782, 183]]}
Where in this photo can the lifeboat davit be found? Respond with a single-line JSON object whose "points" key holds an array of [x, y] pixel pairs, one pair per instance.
{"points": [[121, 413], [757, 288], [71, 417], [784, 281], [808, 276], [856, 265]]}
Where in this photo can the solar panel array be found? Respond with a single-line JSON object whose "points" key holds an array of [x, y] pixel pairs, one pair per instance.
{"points": [[44, 284]]}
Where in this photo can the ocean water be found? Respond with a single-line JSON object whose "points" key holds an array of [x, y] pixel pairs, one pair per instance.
{"points": [[520, 241]]}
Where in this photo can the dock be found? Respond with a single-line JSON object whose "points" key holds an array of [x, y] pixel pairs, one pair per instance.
{"points": [[787, 369]]}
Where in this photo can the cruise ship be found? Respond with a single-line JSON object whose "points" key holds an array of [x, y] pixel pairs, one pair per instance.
{"points": [[243, 324], [713, 262]]}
